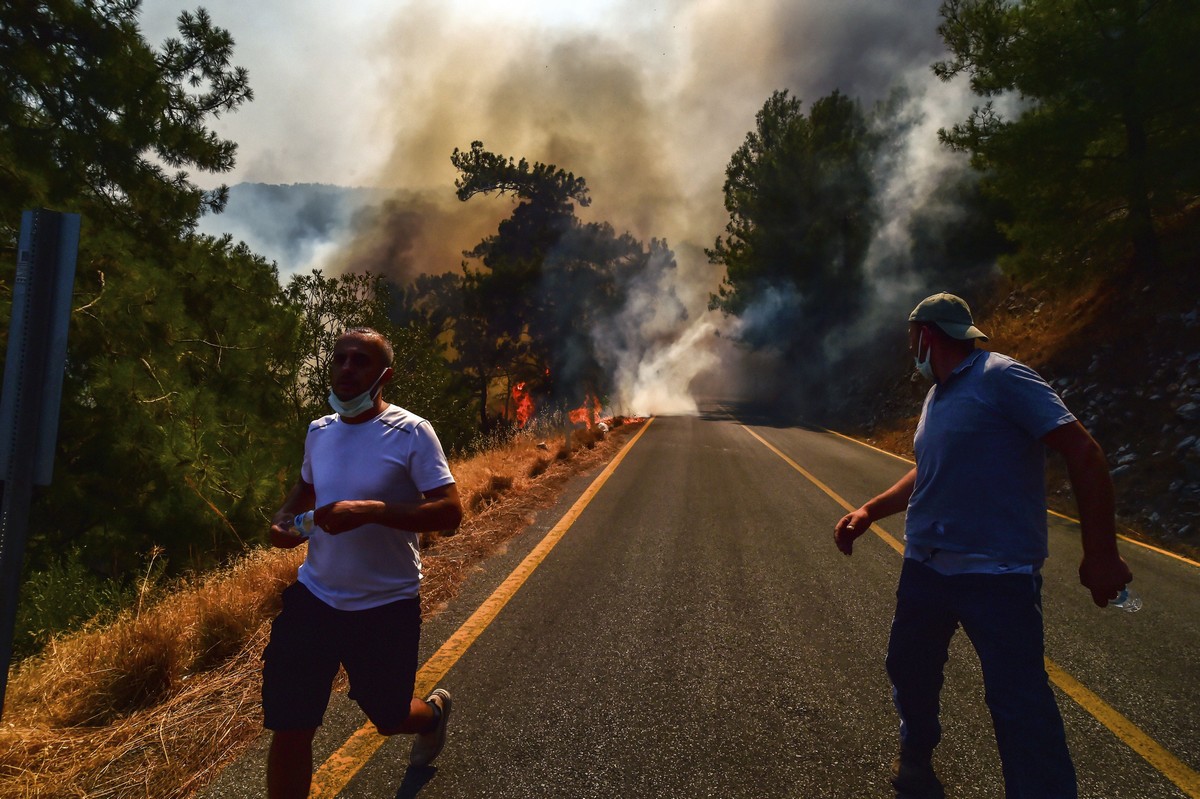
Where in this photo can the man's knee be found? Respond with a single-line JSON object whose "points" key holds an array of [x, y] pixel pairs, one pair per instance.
{"points": [[1022, 706], [293, 740], [905, 663]]}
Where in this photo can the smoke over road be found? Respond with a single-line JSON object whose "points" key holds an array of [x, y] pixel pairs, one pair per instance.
{"points": [[646, 102]]}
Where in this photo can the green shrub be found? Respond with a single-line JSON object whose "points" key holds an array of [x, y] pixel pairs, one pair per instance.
{"points": [[66, 595]]}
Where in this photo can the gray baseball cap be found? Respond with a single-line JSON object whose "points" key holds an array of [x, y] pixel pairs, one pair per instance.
{"points": [[950, 313]]}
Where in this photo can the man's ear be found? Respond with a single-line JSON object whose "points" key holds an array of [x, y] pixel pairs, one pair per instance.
{"points": [[386, 377]]}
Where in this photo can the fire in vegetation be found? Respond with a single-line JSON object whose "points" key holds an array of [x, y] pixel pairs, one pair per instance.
{"points": [[523, 408], [587, 414], [522, 405]]}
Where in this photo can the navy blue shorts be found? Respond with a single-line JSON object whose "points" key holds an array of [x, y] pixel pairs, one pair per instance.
{"points": [[309, 640]]}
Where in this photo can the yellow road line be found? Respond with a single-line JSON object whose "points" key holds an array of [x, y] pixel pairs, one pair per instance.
{"points": [[1159, 758], [1134, 541], [1150, 750], [868, 446], [876, 529], [342, 765]]}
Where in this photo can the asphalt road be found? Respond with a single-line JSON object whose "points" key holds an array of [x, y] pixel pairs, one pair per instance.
{"points": [[696, 633]]}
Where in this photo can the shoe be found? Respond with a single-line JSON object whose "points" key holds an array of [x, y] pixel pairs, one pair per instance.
{"points": [[428, 745], [913, 778]]}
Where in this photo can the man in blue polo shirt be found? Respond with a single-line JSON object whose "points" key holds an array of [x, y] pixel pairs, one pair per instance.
{"points": [[975, 540]]}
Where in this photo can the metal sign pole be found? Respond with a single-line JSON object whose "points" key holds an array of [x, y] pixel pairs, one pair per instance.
{"points": [[29, 404]]}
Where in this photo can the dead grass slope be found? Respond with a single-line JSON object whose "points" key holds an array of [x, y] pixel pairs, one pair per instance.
{"points": [[156, 703]]}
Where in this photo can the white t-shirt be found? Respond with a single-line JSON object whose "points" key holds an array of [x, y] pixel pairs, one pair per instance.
{"points": [[395, 457]]}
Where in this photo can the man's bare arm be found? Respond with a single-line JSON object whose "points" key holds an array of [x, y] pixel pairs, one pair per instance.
{"points": [[1102, 570], [890, 502], [440, 509]]}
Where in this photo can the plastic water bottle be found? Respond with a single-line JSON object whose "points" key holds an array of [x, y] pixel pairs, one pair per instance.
{"points": [[1127, 601], [303, 524]]}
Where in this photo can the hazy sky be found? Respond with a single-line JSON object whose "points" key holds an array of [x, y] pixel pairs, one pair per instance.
{"points": [[647, 100]]}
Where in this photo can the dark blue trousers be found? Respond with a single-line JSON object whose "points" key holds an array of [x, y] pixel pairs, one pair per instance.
{"points": [[1002, 615]]}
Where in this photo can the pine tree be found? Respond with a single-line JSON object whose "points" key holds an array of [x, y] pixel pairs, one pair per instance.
{"points": [[1091, 125]]}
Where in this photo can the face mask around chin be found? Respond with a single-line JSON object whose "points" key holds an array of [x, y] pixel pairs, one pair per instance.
{"points": [[356, 405]]}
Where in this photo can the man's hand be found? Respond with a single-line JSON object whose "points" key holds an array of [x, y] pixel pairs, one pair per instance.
{"points": [[340, 517], [334, 518], [281, 531], [850, 527], [299, 499], [1104, 577], [857, 522]]}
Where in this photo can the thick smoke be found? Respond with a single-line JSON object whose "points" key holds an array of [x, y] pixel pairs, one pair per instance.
{"points": [[923, 194], [929, 237], [647, 103], [651, 346]]}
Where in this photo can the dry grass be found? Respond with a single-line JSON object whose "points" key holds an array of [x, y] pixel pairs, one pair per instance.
{"points": [[156, 703], [501, 490], [133, 707]]}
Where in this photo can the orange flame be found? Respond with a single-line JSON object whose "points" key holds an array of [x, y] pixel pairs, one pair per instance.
{"points": [[587, 414], [524, 404]]}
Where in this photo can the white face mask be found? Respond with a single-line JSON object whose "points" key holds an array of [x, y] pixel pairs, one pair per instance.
{"points": [[357, 405], [924, 367]]}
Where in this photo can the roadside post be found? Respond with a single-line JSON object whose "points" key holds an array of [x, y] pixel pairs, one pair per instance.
{"points": [[32, 392]]}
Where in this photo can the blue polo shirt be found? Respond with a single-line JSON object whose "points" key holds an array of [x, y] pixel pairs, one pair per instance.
{"points": [[981, 485]]}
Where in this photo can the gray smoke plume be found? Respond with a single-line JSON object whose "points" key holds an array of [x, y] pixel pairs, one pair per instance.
{"points": [[647, 103]]}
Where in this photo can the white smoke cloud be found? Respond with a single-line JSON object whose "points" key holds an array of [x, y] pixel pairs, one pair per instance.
{"points": [[911, 177], [654, 346], [660, 382]]}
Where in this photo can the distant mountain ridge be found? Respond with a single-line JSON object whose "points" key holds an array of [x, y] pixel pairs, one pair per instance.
{"points": [[289, 224]]}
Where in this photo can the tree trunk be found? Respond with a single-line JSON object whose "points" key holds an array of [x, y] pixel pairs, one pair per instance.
{"points": [[1146, 253], [484, 422]]}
